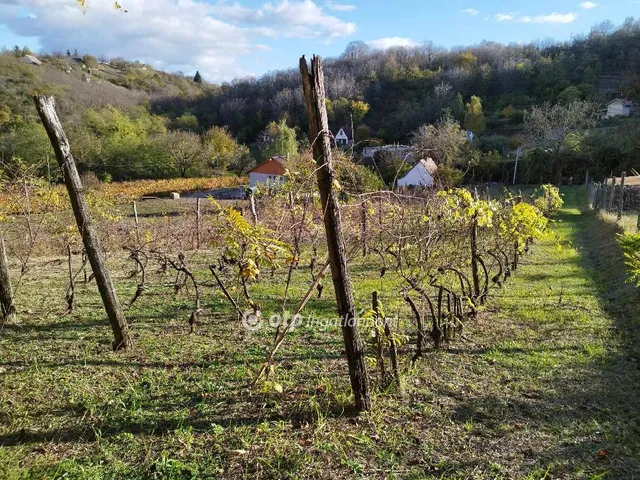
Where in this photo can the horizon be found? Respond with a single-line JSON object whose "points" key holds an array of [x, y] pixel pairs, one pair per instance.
{"points": [[226, 41]]}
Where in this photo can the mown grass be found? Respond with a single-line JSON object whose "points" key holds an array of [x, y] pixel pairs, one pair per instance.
{"points": [[544, 384]]}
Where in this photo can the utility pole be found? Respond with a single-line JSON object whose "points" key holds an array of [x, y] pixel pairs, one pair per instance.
{"points": [[515, 170]]}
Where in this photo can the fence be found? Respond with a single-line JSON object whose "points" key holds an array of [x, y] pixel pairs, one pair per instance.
{"points": [[618, 195]]}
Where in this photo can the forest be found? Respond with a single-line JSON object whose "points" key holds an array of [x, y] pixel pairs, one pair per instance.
{"points": [[121, 115]]}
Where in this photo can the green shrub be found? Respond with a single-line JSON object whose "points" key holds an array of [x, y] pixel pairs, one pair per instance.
{"points": [[630, 244]]}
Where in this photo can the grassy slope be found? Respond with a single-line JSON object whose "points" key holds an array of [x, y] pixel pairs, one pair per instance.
{"points": [[545, 383]]}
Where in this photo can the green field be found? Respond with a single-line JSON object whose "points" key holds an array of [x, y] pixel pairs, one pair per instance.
{"points": [[544, 383]]}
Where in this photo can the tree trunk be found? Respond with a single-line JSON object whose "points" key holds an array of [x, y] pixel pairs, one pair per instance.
{"points": [[7, 307], [313, 85], [47, 111]]}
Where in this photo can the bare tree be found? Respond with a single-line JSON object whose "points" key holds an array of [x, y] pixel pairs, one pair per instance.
{"points": [[552, 127], [47, 110], [313, 85], [443, 141], [187, 151]]}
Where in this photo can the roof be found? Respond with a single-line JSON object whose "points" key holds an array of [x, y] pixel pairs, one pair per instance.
{"points": [[428, 164], [273, 166], [622, 101], [630, 181], [33, 59], [347, 131]]}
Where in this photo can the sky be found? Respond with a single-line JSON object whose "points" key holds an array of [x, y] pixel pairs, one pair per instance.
{"points": [[226, 39]]}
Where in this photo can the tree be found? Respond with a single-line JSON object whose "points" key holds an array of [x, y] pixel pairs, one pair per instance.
{"points": [[555, 129], [187, 121], [187, 152], [391, 166], [457, 108], [197, 78], [443, 142], [569, 95], [474, 118], [279, 140], [359, 109], [223, 150]]}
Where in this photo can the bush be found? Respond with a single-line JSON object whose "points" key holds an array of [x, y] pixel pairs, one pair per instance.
{"points": [[630, 244], [550, 201]]}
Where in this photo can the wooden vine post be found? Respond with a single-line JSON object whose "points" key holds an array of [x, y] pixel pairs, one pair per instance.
{"points": [[47, 110], [7, 307], [474, 258], [314, 93], [612, 193], [621, 201]]}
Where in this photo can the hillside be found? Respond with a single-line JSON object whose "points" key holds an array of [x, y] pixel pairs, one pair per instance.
{"points": [[120, 114], [82, 82]]}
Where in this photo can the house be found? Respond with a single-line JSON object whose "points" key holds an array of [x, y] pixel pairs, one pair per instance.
{"points": [[619, 107], [32, 60], [421, 175], [269, 173], [343, 137]]}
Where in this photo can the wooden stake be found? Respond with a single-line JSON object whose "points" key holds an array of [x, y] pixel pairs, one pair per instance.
{"points": [[612, 192], [314, 92], [621, 201], [198, 219], [7, 307], [47, 110]]}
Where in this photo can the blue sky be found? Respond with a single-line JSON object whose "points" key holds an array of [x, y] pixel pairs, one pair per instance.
{"points": [[226, 39]]}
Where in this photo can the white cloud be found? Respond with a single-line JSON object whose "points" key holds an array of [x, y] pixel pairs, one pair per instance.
{"points": [[559, 18], [171, 34], [471, 11], [588, 5], [388, 42], [339, 7], [505, 17]]}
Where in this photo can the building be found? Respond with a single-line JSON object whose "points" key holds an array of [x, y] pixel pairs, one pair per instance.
{"points": [[421, 175], [619, 107], [344, 137], [32, 60], [269, 173], [398, 150]]}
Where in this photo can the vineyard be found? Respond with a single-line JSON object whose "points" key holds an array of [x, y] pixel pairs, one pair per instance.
{"points": [[236, 366], [316, 329]]}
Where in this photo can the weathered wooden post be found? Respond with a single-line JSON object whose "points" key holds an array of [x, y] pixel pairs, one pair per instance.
{"points": [[47, 110], [621, 200], [612, 193], [252, 204], [7, 307], [474, 258], [198, 220], [363, 225], [313, 86]]}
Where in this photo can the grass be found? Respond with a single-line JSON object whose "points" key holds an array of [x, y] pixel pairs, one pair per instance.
{"points": [[544, 383]]}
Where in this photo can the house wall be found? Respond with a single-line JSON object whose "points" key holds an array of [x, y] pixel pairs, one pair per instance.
{"points": [[264, 178], [341, 138], [617, 110], [417, 176]]}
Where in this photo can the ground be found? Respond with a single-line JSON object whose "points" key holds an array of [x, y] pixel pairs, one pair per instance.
{"points": [[543, 384]]}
